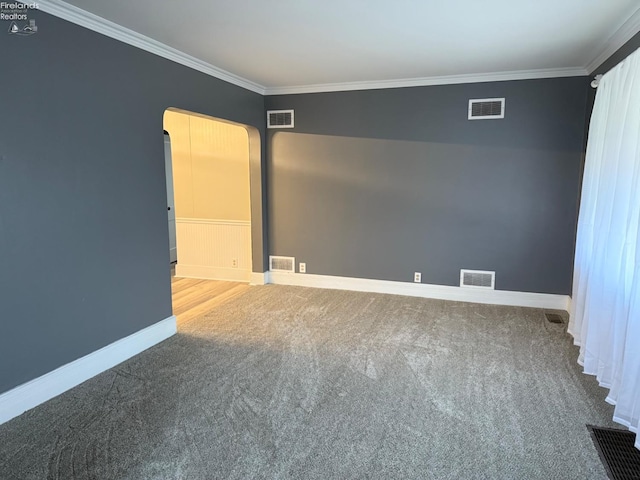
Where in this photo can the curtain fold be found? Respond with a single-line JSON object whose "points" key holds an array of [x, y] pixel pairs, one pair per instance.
{"points": [[605, 310]]}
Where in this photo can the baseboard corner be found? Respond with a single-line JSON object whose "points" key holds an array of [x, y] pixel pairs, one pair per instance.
{"points": [[35, 392], [259, 278]]}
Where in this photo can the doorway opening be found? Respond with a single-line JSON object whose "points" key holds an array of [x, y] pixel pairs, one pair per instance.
{"points": [[207, 164]]}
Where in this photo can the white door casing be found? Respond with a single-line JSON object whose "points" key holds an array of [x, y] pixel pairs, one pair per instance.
{"points": [[171, 210]]}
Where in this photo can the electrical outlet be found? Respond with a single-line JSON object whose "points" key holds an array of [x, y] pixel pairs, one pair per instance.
{"points": [[417, 277], [303, 267], [234, 262]]}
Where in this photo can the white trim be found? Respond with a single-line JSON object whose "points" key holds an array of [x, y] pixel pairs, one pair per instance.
{"points": [[427, 81], [570, 309], [621, 36], [98, 24], [441, 292], [485, 117], [259, 278], [212, 273], [243, 223], [31, 394]]}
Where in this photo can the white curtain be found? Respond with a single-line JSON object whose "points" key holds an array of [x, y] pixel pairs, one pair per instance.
{"points": [[605, 312]]}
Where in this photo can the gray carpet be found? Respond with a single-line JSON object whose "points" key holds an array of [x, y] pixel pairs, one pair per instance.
{"points": [[288, 382]]}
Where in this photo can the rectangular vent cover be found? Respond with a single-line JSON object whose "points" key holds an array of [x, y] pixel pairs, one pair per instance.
{"points": [[477, 279], [280, 119], [282, 264], [486, 108], [617, 452], [553, 317]]}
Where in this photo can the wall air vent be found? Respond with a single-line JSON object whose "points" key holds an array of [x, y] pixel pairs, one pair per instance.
{"points": [[486, 108], [477, 279], [282, 264], [553, 317], [279, 118]]}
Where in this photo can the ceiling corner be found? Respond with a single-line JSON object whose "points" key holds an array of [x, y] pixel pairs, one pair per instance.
{"points": [[621, 36], [98, 24]]}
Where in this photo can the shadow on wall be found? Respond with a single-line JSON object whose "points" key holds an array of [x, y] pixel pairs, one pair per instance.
{"points": [[383, 209]]}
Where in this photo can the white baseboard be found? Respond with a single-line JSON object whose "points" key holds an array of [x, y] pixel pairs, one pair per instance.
{"points": [[31, 394], [212, 273], [259, 278], [441, 292]]}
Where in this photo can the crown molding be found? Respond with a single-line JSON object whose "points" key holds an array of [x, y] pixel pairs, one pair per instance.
{"points": [[98, 24], [621, 36], [427, 81]]}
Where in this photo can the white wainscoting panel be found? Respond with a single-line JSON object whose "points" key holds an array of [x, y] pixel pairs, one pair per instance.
{"points": [[214, 249]]}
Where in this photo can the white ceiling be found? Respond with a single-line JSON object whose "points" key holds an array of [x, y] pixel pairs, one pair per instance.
{"points": [[315, 45]]}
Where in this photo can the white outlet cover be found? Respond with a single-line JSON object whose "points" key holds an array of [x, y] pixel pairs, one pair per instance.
{"points": [[303, 267], [417, 277]]}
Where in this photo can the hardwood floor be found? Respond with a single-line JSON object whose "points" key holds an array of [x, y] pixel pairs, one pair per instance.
{"points": [[193, 297]]}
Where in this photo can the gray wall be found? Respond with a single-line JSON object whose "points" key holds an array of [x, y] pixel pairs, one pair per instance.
{"points": [[382, 183], [83, 221]]}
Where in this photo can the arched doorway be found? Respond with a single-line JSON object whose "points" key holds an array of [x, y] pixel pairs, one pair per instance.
{"points": [[211, 180]]}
